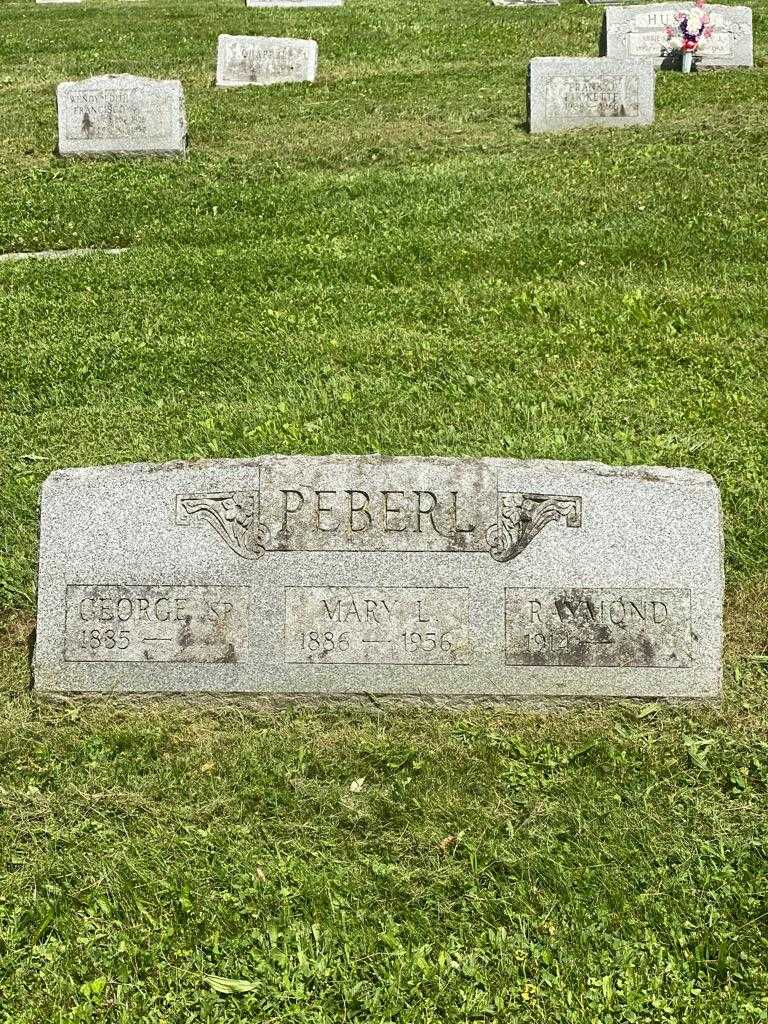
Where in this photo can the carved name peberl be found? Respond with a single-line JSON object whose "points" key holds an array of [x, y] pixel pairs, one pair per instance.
{"points": [[428, 578], [584, 92], [640, 32], [121, 115]]}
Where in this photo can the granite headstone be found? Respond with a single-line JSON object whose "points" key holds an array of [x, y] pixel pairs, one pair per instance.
{"points": [[586, 92], [265, 60], [428, 578], [639, 33], [121, 115]]}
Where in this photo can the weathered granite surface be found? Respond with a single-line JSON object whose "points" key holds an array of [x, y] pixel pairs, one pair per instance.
{"points": [[587, 92], [294, 3], [638, 32], [121, 115], [426, 578], [265, 60]]}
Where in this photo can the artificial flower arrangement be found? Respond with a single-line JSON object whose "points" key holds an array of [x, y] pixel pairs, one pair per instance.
{"points": [[689, 30]]}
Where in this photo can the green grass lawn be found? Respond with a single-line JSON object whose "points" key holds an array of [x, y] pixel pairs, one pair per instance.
{"points": [[383, 261]]}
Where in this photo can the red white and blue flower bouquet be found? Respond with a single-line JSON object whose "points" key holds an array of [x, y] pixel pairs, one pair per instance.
{"points": [[690, 28]]}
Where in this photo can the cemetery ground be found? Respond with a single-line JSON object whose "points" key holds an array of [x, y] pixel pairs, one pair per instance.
{"points": [[382, 261]]}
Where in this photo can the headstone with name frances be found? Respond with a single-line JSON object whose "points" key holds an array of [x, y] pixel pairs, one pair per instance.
{"points": [[121, 115], [640, 33], [265, 60], [430, 579], [588, 92]]}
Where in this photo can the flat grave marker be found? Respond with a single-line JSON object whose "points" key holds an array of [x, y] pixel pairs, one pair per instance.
{"points": [[639, 33], [586, 92], [428, 579], [121, 115], [265, 60]]}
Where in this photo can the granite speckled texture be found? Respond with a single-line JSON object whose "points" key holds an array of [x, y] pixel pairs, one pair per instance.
{"points": [[639, 33], [588, 92], [425, 579], [121, 115], [265, 60]]}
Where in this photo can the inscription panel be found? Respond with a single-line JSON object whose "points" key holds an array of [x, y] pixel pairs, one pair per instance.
{"points": [[640, 32], [648, 37], [148, 623], [377, 507], [130, 114], [377, 625], [599, 97], [601, 628]]}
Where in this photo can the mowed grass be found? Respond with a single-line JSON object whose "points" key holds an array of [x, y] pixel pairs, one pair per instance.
{"points": [[384, 261]]}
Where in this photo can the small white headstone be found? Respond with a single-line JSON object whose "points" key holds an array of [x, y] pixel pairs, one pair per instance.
{"points": [[122, 115], [265, 60]]}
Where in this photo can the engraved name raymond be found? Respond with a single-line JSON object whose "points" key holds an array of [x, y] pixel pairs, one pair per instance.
{"points": [[149, 623], [601, 628], [377, 625]]}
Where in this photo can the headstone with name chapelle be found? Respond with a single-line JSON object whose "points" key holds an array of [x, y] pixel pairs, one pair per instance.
{"points": [[265, 60], [428, 579], [294, 3], [587, 92], [121, 115], [640, 33]]}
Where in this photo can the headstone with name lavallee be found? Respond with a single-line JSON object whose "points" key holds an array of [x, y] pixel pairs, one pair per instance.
{"points": [[424, 578], [588, 92], [265, 60], [121, 115], [640, 33]]}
